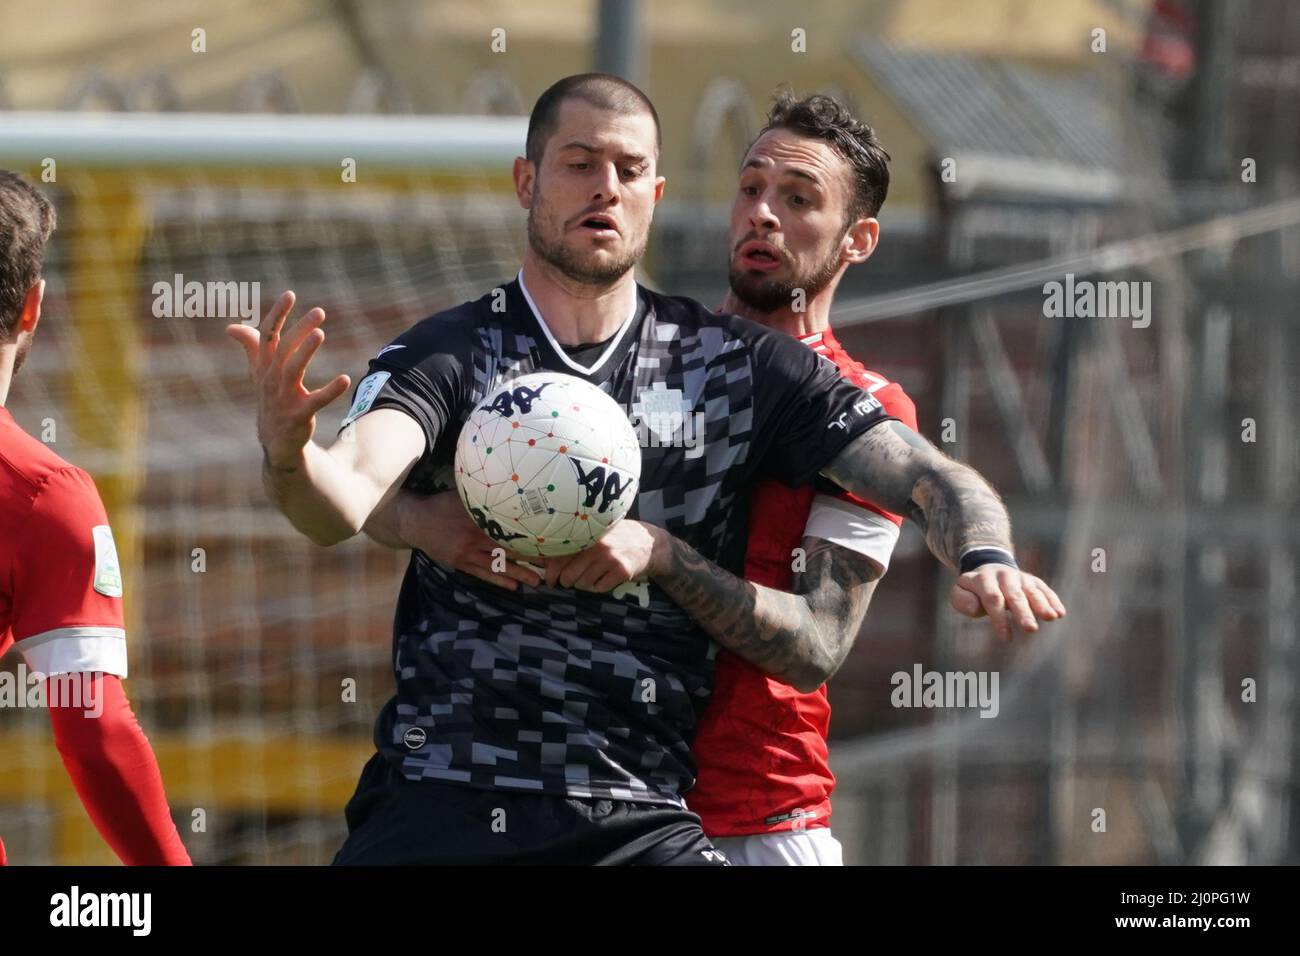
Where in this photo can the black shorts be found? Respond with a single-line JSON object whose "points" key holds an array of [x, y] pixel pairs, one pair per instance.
{"points": [[395, 821]]}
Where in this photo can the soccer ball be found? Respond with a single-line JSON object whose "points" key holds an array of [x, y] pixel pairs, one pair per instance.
{"points": [[547, 464]]}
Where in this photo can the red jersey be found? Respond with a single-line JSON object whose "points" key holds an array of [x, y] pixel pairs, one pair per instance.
{"points": [[761, 745], [60, 585], [60, 582]]}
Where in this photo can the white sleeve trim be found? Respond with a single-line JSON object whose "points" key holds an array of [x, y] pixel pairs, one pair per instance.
{"points": [[69, 650], [854, 527]]}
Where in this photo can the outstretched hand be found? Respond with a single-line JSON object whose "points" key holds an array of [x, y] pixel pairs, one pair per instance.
{"points": [[286, 408]]}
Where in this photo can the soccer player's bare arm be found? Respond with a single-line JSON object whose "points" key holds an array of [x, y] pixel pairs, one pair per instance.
{"points": [[330, 493], [326, 494], [800, 637], [384, 526]]}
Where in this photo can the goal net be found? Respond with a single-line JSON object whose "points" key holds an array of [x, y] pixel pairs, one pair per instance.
{"points": [[258, 661]]}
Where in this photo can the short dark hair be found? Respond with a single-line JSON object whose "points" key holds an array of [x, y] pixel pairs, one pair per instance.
{"points": [[825, 117], [26, 221], [603, 90]]}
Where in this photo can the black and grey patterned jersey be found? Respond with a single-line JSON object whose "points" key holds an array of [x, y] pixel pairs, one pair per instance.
{"points": [[570, 692]]}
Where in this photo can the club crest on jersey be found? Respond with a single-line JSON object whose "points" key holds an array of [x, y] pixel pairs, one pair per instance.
{"points": [[659, 403], [521, 396], [662, 418], [108, 571], [603, 483]]}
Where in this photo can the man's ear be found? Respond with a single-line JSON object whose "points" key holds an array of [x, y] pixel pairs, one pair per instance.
{"points": [[659, 188], [860, 240], [31, 313], [525, 174]]}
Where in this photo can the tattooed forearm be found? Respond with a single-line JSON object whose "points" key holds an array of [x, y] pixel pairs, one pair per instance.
{"points": [[962, 511], [838, 585], [894, 467], [801, 638]]}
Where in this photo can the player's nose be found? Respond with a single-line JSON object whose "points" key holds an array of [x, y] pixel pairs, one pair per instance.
{"points": [[607, 184], [762, 219]]}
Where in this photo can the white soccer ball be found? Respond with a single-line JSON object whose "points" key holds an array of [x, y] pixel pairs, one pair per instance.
{"points": [[547, 464]]}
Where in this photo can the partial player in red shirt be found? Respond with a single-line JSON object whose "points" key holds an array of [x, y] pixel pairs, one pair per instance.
{"points": [[61, 585], [810, 187], [764, 786]]}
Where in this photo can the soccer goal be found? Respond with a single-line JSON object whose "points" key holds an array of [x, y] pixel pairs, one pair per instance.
{"points": [[258, 661]]}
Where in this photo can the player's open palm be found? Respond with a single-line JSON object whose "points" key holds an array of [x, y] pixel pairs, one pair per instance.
{"points": [[286, 408], [1006, 596]]}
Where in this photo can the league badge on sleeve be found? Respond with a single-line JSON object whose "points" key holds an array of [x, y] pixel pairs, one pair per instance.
{"points": [[108, 571], [367, 391]]}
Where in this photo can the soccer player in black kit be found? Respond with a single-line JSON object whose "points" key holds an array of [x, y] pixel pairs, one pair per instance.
{"points": [[550, 724]]}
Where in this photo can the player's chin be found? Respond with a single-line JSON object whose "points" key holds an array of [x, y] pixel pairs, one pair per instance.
{"points": [[604, 264], [602, 252], [755, 286]]}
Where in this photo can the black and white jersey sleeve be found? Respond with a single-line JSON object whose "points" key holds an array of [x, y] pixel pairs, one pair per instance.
{"points": [[805, 412], [424, 373]]}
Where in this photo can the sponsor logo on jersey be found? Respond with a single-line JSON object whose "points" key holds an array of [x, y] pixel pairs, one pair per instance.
{"points": [[865, 405], [108, 571], [367, 392], [415, 738]]}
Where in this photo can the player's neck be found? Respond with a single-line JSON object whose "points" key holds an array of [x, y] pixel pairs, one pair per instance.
{"points": [[577, 313], [816, 318]]}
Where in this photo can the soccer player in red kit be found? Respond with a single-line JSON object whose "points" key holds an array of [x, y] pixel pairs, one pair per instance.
{"points": [[810, 187], [764, 785], [60, 582]]}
